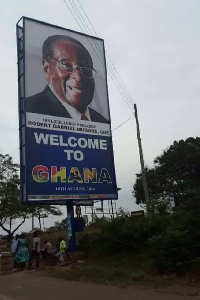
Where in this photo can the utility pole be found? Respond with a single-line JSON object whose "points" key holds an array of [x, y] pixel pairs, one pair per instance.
{"points": [[144, 180]]}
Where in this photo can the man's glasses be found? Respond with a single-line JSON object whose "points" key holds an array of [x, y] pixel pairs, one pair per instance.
{"points": [[69, 68]]}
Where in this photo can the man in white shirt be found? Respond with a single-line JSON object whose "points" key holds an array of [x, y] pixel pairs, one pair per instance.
{"points": [[13, 249], [36, 251], [68, 69], [14, 244], [48, 253]]}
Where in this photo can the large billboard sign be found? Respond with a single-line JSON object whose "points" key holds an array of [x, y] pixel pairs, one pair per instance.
{"points": [[66, 148]]}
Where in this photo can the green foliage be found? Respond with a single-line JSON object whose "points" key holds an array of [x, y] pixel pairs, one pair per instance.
{"points": [[170, 252], [124, 235], [174, 250], [163, 243], [44, 211], [98, 223], [101, 274], [59, 226], [176, 174], [10, 208]]}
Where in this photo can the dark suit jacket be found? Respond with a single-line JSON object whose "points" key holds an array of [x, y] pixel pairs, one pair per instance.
{"points": [[46, 103]]}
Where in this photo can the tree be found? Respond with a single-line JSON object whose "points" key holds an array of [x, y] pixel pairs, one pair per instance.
{"points": [[62, 225], [10, 207], [43, 211], [176, 174]]}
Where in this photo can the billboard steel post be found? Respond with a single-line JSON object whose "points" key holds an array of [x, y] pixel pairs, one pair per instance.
{"points": [[112, 209], [33, 221], [70, 227]]}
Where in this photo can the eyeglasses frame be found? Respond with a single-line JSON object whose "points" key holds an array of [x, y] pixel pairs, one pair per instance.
{"points": [[75, 67]]}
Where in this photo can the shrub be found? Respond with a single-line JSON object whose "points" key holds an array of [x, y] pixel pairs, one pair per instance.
{"points": [[168, 243]]}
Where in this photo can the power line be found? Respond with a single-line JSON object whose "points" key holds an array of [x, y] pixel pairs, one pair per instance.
{"points": [[110, 64], [113, 76], [84, 24], [123, 123], [105, 51]]}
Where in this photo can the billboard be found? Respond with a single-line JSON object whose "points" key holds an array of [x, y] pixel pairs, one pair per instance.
{"points": [[66, 150]]}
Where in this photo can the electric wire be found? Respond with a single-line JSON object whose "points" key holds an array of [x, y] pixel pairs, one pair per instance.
{"points": [[110, 64], [123, 123], [120, 89], [100, 58], [78, 14], [105, 51]]}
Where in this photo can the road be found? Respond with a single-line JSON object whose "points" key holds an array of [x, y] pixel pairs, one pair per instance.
{"points": [[31, 286]]}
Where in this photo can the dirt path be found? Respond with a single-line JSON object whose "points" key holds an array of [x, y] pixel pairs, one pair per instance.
{"points": [[31, 286]]}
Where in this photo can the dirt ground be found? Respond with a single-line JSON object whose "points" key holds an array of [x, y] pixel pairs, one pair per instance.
{"points": [[32, 286]]}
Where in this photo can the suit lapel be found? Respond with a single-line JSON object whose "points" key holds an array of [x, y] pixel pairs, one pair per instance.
{"points": [[55, 106]]}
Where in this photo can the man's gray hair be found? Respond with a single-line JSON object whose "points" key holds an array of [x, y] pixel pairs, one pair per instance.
{"points": [[47, 48]]}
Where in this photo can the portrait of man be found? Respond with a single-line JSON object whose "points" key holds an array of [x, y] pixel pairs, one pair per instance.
{"points": [[68, 70]]}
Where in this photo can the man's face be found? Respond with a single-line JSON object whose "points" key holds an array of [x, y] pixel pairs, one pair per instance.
{"points": [[73, 88]]}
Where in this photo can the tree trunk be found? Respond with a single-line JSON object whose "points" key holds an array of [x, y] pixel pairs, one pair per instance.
{"points": [[24, 219], [10, 234]]}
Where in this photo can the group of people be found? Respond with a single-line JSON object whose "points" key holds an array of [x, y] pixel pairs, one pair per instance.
{"points": [[24, 256]]}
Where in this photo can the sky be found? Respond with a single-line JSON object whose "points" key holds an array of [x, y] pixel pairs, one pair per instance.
{"points": [[154, 46]]}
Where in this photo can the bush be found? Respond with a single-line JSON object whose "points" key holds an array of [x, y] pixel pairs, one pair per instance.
{"points": [[123, 235], [167, 243], [169, 252], [175, 249]]}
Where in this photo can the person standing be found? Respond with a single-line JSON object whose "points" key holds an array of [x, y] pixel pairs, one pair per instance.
{"points": [[13, 249], [62, 250], [14, 244], [78, 211], [35, 254], [47, 253], [21, 252]]}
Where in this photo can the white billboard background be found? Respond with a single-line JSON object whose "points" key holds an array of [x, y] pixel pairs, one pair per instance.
{"points": [[35, 34]]}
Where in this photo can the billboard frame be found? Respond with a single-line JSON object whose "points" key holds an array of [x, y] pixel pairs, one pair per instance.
{"points": [[22, 121]]}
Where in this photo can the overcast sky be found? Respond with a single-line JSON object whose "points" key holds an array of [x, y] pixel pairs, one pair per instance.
{"points": [[154, 45]]}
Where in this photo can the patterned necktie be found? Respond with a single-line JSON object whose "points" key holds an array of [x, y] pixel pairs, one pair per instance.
{"points": [[83, 117]]}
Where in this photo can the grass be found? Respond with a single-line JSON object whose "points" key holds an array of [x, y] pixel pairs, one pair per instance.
{"points": [[111, 272], [122, 271], [98, 274]]}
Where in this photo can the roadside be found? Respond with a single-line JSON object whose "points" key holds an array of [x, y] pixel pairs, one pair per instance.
{"points": [[125, 277], [31, 286]]}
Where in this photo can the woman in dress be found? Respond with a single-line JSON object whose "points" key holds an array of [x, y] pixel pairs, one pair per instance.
{"points": [[22, 252]]}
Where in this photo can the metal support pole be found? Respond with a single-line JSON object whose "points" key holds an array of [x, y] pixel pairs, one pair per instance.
{"points": [[32, 221], [70, 227], [115, 208], [92, 214], [112, 208], [144, 180], [102, 208], [109, 207]]}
